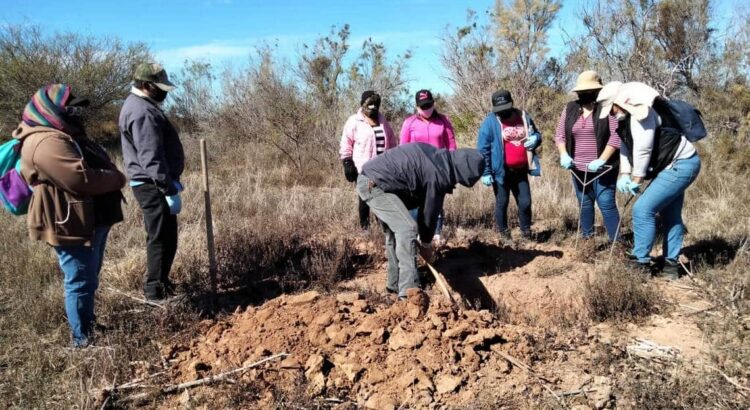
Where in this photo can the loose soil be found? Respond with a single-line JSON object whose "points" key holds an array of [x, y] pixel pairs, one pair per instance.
{"points": [[519, 337]]}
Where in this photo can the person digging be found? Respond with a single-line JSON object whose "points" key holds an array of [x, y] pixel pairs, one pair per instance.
{"points": [[408, 177]]}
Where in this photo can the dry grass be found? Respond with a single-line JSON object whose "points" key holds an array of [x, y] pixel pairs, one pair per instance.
{"points": [[280, 229]]}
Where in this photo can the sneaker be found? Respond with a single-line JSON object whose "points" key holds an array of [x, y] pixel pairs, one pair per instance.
{"points": [[671, 270], [505, 238], [528, 236]]}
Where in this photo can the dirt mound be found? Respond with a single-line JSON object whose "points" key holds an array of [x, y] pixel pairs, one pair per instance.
{"points": [[414, 352]]}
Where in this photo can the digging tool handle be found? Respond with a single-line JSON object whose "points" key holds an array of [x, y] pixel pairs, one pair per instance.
{"points": [[209, 223], [440, 280]]}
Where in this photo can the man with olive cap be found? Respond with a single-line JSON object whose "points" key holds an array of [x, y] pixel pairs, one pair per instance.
{"points": [[413, 176], [154, 161]]}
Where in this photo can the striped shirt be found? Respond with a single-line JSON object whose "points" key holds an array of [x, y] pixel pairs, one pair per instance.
{"points": [[379, 139], [585, 138]]}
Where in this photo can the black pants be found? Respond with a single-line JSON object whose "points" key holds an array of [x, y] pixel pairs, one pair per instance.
{"points": [[517, 182], [364, 214], [161, 231]]}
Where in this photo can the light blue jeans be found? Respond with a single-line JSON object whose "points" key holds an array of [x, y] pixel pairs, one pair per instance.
{"points": [[81, 265], [665, 196]]}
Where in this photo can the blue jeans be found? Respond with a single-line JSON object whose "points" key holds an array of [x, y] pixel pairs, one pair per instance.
{"points": [[81, 265], [438, 225], [516, 182], [664, 196], [601, 192]]}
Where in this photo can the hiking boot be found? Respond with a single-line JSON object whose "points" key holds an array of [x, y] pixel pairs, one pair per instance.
{"points": [[671, 270], [646, 269]]}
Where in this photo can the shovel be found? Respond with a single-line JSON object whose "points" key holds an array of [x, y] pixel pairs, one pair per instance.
{"points": [[439, 278]]}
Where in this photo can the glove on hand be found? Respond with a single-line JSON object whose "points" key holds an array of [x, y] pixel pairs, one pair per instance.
{"points": [[487, 180], [596, 165], [623, 182], [175, 203], [634, 188], [350, 170], [566, 161], [531, 141], [178, 185]]}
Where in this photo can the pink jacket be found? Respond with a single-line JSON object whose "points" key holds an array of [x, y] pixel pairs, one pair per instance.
{"points": [[358, 139], [438, 131]]}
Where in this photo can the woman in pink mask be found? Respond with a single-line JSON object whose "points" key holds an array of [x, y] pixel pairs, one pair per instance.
{"points": [[429, 127]]}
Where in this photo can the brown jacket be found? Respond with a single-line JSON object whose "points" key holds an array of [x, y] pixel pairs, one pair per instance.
{"points": [[61, 211]]}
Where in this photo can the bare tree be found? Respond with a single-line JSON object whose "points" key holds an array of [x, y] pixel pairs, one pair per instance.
{"points": [[98, 68], [194, 103], [521, 36], [471, 62], [661, 42]]}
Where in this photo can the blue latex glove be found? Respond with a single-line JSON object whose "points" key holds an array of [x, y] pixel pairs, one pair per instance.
{"points": [[531, 141], [178, 186], [566, 161], [487, 180], [595, 165], [175, 203], [634, 188], [623, 182]]}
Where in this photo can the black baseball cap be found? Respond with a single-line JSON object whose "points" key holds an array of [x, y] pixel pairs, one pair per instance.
{"points": [[501, 101], [424, 97]]}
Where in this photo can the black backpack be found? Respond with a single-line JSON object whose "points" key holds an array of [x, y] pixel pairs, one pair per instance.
{"points": [[680, 117]]}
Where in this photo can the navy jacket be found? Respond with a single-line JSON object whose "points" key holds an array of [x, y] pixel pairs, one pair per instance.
{"points": [[421, 175], [151, 148]]}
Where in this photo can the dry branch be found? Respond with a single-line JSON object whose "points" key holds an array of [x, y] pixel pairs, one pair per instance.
{"points": [[207, 380]]}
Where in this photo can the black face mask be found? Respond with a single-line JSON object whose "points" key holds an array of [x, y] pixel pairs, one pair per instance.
{"points": [[372, 113], [74, 125], [156, 93], [505, 114], [587, 97]]}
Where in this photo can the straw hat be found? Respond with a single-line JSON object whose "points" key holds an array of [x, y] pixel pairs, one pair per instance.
{"points": [[635, 98], [588, 80]]}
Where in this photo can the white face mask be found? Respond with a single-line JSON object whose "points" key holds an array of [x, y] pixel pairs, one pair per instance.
{"points": [[621, 116]]}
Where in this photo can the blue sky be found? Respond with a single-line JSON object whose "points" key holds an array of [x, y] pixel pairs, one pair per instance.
{"points": [[225, 31]]}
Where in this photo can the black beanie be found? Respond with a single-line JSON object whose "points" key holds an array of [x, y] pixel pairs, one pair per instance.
{"points": [[365, 95]]}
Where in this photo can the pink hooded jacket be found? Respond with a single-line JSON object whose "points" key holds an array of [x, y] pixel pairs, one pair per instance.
{"points": [[358, 139], [438, 131]]}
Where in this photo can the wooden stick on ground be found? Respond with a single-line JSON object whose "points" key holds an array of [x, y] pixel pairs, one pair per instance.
{"points": [[137, 299], [208, 380], [729, 379]]}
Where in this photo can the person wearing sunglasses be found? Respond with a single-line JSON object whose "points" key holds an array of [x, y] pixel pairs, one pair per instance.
{"points": [[428, 126]]}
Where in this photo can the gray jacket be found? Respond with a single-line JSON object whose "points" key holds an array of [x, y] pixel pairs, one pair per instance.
{"points": [[421, 175], [151, 148]]}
